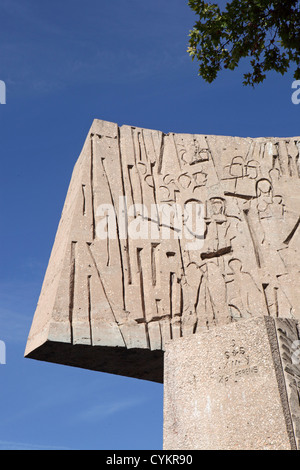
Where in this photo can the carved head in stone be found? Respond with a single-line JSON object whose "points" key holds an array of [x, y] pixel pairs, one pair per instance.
{"points": [[252, 169], [264, 188], [193, 212], [235, 265], [237, 167], [217, 205], [274, 175]]}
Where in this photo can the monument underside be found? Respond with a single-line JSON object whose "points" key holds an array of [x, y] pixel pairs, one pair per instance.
{"points": [[110, 303]]}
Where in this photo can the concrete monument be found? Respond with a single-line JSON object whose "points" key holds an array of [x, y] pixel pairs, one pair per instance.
{"points": [[176, 260]]}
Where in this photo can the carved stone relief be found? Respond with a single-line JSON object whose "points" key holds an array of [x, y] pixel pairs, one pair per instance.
{"points": [[160, 277]]}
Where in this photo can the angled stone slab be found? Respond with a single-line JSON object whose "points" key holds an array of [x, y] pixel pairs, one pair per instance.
{"points": [[129, 271]]}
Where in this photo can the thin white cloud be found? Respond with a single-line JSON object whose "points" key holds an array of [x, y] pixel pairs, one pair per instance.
{"points": [[10, 445], [104, 410]]}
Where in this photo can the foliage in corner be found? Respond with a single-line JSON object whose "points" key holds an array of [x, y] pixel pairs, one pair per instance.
{"points": [[268, 32]]}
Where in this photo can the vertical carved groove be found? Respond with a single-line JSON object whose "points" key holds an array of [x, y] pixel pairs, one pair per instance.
{"points": [[290, 166], [118, 231], [298, 165], [253, 238], [92, 187], [154, 263], [127, 254], [107, 243], [153, 145], [142, 294], [177, 153], [276, 302], [181, 308], [155, 197], [90, 307], [72, 286], [139, 147], [144, 145], [83, 200], [161, 154], [101, 282], [171, 280], [265, 286], [250, 151], [129, 169]]}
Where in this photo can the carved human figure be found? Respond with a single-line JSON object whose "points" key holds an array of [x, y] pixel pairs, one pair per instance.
{"points": [[190, 286], [214, 295], [266, 221], [270, 225], [244, 295], [205, 297], [221, 230], [193, 229]]}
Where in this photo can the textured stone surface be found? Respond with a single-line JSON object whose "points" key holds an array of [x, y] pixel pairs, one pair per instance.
{"points": [[226, 389], [112, 303]]}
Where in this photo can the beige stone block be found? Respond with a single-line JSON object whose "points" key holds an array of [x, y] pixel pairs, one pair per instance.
{"points": [[233, 388], [123, 279]]}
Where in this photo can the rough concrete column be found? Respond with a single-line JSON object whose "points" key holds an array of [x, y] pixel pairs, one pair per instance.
{"points": [[233, 387]]}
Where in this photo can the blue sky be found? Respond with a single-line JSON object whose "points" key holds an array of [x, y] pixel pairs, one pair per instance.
{"points": [[65, 63]]}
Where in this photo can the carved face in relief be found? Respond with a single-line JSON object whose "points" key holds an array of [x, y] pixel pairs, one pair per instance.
{"points": [[237, 167], [235, 265], [217, 206], [263, 188], [252, 169]]}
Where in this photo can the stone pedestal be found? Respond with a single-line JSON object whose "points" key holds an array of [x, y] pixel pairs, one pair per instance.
{"points": [[234, 387]]}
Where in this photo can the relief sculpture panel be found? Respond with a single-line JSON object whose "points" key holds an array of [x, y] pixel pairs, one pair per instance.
{"points": [[165, 235]]}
